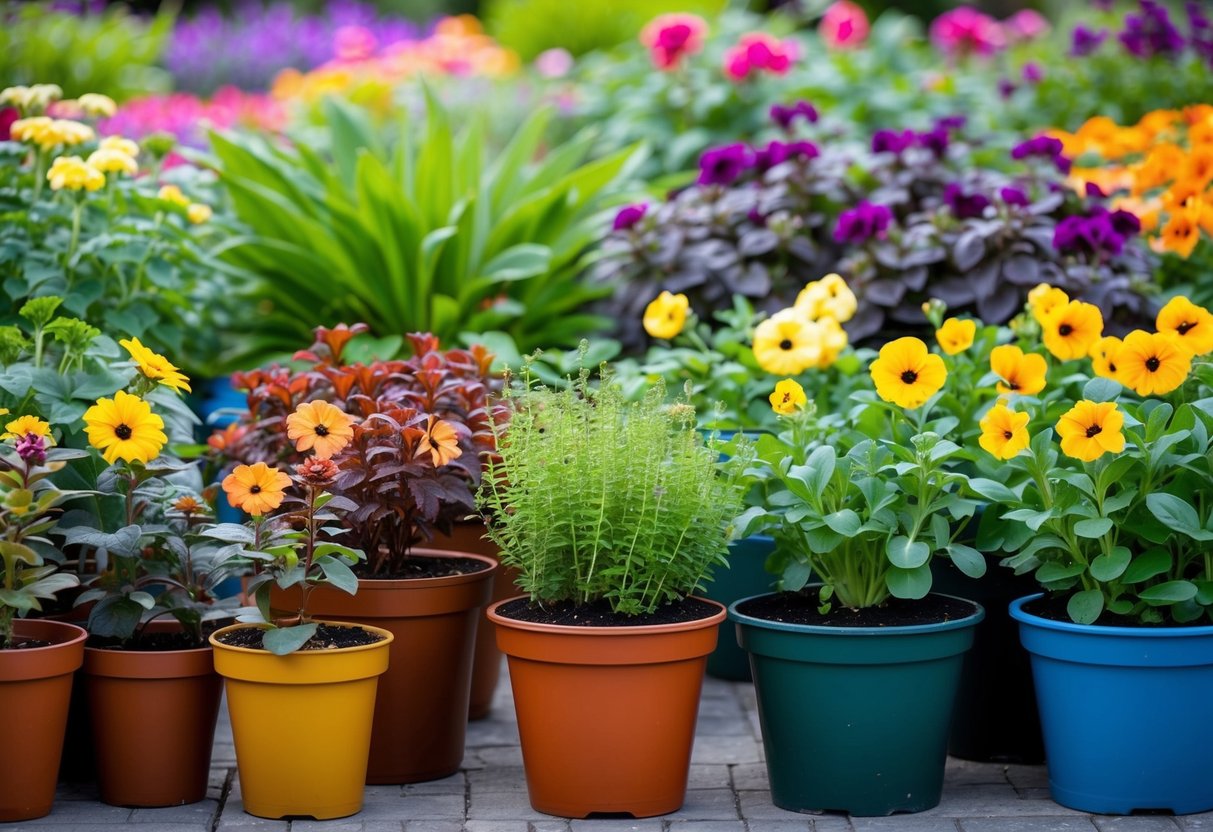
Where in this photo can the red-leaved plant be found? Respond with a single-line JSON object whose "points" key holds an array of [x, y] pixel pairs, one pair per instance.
{"points": [[422, 427]]}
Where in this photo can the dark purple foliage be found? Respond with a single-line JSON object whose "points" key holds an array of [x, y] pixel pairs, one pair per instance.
{"points": [[1201, 36]]}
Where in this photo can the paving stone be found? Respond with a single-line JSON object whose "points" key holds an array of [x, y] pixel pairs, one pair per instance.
{"points": [[1028, 777], [904, 823], [969, 773], [777, 826], [549, 826], [497, 779], [728, 750], [825, 823], [409, 807], [751, 777], [994, 802], [613, 825], [1058, 823], [86, 826], [708, 804], [723, 726], [334, 826], [433, 826], [707, 826], [85, 812], [1201, 821], [492, 732], [757, 805], [497, 826], [1136, 824], [202, 812], [709, 776], [503, 806], [235, 818], [455, 784], [76, 791], [506, 755]]}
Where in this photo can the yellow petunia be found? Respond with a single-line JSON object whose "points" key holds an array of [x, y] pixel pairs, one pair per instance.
{"points": [[666, 315], [173, 194], [97, 105], [198, 213], [125, 427], [829, 297], [1191, 324], [1044, 299], [1020, 372], [108, 160], [787, 344], [907, 374], [122, 145], [1071, 330], [788, 397], [1004, 433], [1091, 429], [833, 341], [956, 336], [1152, 363], [74, 174]]}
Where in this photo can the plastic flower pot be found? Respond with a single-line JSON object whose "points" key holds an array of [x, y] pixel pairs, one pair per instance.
{"points": [[606, 715], [855, 719], [745, 575], [35, 688], [302, 724], [153, 720], [421, 714], [1124, 712]]}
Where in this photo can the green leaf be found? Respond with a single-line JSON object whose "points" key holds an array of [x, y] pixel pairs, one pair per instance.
{"points": [[992, 490], [1177, 514], [795, 575], [1085, 607], [1171, 592], [1101, 390], [1111, 566], [846, 522], [1094, 527], [1148, 564], [909, 583], [968, 560], [283, 640], [338, 574], [907, 554], [1054, 571]]}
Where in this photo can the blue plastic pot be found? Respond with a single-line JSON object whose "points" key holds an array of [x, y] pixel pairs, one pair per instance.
{"points": [[745, 575], [1125, 713]]}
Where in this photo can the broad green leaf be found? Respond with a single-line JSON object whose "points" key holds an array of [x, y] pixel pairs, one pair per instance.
{"points": [[907, 554], [283, 640], [1086, 606], [1111, 566], [968, 560], [909, 583], [846, 522], [1093, 527], [1147, 565], [1171, 592]]}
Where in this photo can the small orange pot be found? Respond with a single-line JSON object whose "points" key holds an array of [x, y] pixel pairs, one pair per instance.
{"points": [[35, 688], [607, 714], [421, 712], [153, 720], [486, 662]]}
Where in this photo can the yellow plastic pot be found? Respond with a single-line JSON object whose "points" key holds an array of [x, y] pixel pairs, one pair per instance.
{"points": [[302, 724]]}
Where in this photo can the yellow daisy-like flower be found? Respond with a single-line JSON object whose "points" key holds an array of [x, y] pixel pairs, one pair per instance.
{"points": [[1072, 329], [788, 397], [64, 132], [666, 315], [74, 174], [786, 344], [199, 213], [25, 425], [125, 427], [319, 427], [256, 489], [1004, 433], [122, 145], [108, 160], [41, 95], [97, 105], [907, 374], [1019, 372], [833, 341], [171, 193], [956, 336], [18, 96], [1091, 429], [29, 129], [156, 366], [829, 297], [1044, 299], [1191, 324], [1103, 357], [441, 442], [1152, 363]]}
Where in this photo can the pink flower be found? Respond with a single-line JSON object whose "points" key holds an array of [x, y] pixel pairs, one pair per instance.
{"points": [[966, 31], [759, 52], [844, 25], [1026, 24], [554, 63], [354, 43], [671, 37], [7, 116]]}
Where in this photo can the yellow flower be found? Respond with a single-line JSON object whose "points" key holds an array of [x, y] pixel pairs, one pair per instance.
{"points": [[74, 174], [1152, 363], [786, 344], [829, 297], [1020, 373], [955, 335], [156, 366], [125, 427], [1103, 357], [97, 105], [1091, 429], [130, 148], [171, 193], [108, 160], [18, 96], [1044, 299], [1004, 433], [29, 129], [198, 213], [833, 341], [319, 427], [63, 132], [907, 374], [1071, 330], [256, 489], [441, 441], [666, 315], [788, 397], [1191, 324], [42, 95], [25, 425]]}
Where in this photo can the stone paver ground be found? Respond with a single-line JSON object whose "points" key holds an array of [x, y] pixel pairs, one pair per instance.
{"points": [[727, 792]]}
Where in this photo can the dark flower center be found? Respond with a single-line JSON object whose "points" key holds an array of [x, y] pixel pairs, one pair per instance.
{"points": [[1183, 328], [1152, 364], [1094, 431], [1006, 434], [909, 376], [321, 430], [785, 344], [1013, 384], [1064, 330], [256, 489], [1112, 368], [123, 432]]}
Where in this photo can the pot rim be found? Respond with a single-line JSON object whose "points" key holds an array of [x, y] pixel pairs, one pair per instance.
{"points": [[978, 614], [387, 638], [441, 580], [1024, 617], [601, 632], [78, 638]]}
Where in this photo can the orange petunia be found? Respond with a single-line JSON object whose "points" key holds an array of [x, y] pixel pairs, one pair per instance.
{"points": [[257, 489], [1181, 233], [319, 427], [441, 441]]}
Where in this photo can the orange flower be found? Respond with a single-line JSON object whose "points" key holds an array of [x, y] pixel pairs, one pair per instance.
{"points": [[1191, 325], [1091, 429], [1071, 330], [257, 489], [319, 427], [1158, 168], [1020, 373], [1103, 357], [441, 441], [1198, 166], [1152, 363], [1181, 233]]}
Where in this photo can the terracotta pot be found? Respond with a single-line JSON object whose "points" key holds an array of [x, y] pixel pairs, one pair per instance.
{"points": [[153, 721], [607, 714], [301, 725], [35, 688], [422, 710], [486, 663]]}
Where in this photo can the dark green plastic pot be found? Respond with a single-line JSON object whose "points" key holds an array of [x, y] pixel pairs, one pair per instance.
{"points": [[855, 719], [745, 575]]}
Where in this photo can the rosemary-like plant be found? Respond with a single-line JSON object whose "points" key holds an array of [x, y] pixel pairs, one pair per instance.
{"points": [[596, 498]]}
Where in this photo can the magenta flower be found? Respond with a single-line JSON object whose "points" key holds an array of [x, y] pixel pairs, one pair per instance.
{"points": [[354, 43], [964, 206], [892, 141], [785, 117], [629, 215], [758, 52], [1084, 41], [1026, 24], [32, 449], [554, 63], [672, 37], [1014, 196], [863, 222], [7, 116], [1033, 73], [724, 165], [844, 25], [965, 31]]}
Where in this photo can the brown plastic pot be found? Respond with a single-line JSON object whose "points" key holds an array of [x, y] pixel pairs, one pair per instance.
{"points": [[421, 710], [153, 718], [486, 663], [607, 714], [35, 688]]}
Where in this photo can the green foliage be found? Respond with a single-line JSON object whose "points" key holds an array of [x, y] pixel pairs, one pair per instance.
{"points": [[113, 52], [595, 498], [532, 26], [428, 235]]}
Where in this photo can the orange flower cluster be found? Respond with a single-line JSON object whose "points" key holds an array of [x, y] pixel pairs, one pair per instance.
{"points": [[1160, 169]]}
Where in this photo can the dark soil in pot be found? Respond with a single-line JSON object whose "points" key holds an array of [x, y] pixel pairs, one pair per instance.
{"points": [[427, 567], [599, 614], [802, 608], [326, 638]]}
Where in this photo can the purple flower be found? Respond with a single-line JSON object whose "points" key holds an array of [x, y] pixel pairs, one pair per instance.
{"points": [[756, 217], [1151, 32], [1100, 232], [964, 206], [785, 117], [1094, 191], [629, 215], [723, 165], [1033, 73], [1045, 147], [803, 150], [951, 122], [935, 140], [773, 154], [1201, 38], [1006, 87], [1084, 41], [1125, 223], [1014, 196], [863, 222], [32, 449], [892, 141]]}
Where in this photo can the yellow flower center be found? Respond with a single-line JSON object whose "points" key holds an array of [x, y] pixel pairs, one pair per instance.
{"points": [[123, 432], [909, 376]]}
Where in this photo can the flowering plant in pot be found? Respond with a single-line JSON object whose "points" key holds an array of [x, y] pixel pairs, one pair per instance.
{"points": [[407, 437], [612, 513], [1112, 519]]}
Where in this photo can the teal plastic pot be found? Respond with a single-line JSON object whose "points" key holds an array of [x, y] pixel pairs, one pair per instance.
{"points": [[855, 719], [745, 575], [1125, 713]]}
